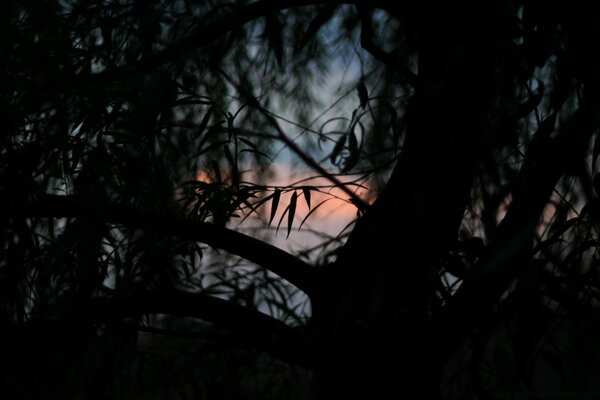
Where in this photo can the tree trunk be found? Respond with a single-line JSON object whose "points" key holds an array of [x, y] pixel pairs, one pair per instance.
{"points": [[381, 324]]}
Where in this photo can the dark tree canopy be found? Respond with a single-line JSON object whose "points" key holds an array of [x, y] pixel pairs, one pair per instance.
{"points": [[141, 224]]}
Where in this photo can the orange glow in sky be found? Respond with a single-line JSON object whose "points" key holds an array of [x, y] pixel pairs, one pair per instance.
{"points": [[333, 214]]}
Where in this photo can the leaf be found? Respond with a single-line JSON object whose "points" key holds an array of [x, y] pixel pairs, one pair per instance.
{"points": [[352, 158], [352, 140], [273, 32], [230, 126], [306, 192], [363, 93], [248, 143], [292, 212], [259, 203], [253, 148], [596, 150], [337, 149], [274, 204], [242, 197], [228, 155], [324, 15], [235, 176], [202, 127]]}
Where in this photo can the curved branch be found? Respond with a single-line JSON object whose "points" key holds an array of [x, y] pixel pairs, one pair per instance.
{"points": [[255, 328], [284, 264]]}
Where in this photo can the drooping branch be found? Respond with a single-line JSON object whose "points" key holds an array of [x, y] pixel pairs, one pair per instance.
{"points": [[263, 254]]}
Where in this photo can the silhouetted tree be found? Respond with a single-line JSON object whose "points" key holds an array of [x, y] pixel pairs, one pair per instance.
{"points": [[136, 135]]}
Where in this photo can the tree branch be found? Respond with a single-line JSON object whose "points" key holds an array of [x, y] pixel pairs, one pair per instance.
{"points": [[367, 43], [258, 329], [482, 289], [285, 265]]}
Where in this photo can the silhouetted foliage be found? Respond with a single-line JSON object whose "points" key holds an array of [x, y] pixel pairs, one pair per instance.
{"points": [[139, 150]]}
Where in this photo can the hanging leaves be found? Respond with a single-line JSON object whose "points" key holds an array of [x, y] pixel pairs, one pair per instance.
{"points": [[204, 123], [596, 150], [597, 183], [274, 204], [363, 94], [253, 149], [306, 191], [324, 15], [291, 212], [274, 34]]}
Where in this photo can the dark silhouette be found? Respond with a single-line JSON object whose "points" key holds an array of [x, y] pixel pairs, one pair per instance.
{"points": [[136, 135]]}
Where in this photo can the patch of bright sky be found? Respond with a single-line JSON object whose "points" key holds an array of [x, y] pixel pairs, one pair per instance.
{"points": [[338, 98]]}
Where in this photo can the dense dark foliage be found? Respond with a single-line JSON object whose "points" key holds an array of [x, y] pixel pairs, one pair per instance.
{"points": [[139, 142]]}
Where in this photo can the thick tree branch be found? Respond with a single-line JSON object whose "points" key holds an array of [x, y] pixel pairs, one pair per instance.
{"points": [[265, 255], [482, 289], [255, 328]]}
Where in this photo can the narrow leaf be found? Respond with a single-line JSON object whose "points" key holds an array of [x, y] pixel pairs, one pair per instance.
{"points": [[254, 207], [352, 140], [274, 204], [273, 33], [235, 176], [203, 125], [596, 150], [363, 94], [282, 217], [320, 19], [291, 212], [306, 192]]}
